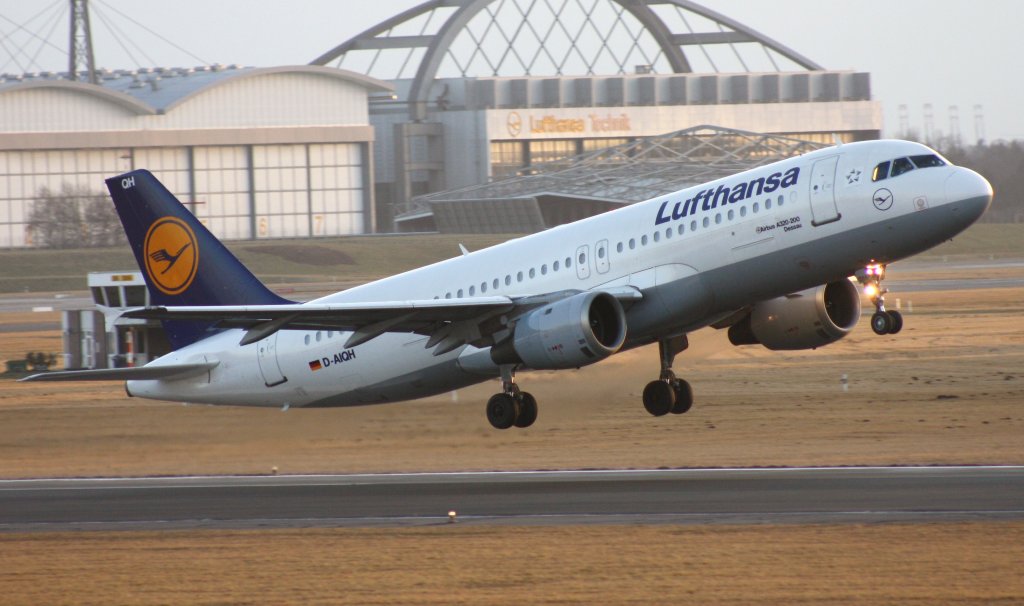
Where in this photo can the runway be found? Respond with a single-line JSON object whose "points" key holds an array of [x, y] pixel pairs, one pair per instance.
{"points": [[698, 496]]}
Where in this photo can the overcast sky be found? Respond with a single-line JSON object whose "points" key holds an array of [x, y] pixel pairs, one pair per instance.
{"points": [[943, 52]]}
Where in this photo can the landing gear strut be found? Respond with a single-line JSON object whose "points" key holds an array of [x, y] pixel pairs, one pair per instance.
{"points": [[882, 322], [668, 394], [511, 407]]}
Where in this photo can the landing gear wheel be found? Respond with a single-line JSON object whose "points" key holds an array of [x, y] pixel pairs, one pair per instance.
{"points": [[882, 323], [659, 398], [527, 410], [502, 410], [684, 397], [897, 322]]}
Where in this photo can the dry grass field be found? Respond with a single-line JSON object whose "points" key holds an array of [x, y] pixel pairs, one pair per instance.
{"points": [[948, 390], [945, 564]]}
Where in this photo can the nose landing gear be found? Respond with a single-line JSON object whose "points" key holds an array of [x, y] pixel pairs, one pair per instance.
{"points": [[882, 322]]}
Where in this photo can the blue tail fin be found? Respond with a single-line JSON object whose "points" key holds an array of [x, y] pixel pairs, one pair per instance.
{"points": [[182, 262]]}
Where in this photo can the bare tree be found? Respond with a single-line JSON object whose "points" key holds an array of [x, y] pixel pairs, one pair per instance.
{"points": [[75, 217]]}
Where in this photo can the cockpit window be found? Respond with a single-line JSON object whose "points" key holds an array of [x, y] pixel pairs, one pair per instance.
{"points": [[881, 171], [900, 166], [894, 168], [927, 160]]}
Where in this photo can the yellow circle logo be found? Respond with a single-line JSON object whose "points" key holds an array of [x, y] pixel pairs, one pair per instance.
{"points": [[172, 256], [514, 123]]}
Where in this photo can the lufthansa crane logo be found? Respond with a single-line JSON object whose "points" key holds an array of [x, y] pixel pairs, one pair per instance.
{"points": [[514, 123], [882, 199], [172, 256]]}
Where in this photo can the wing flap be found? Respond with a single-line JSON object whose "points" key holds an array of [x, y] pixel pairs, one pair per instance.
{"points": [[454, 322], [340, 316]]}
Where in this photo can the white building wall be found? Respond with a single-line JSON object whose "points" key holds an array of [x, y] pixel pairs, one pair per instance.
{"points": [[283, 99], [268, 100], [53, 109]]}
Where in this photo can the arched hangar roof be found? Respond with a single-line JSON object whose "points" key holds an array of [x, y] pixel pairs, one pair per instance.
{"points": [[470, 38], [158, 90]]}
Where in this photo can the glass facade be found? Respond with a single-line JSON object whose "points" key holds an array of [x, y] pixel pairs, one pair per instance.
{"points": [[27, 177], [511, 158], [238, 192]]}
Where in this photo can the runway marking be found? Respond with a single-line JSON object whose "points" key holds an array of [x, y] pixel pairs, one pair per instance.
{"points": [[542, 473], [329, 480], [691, 518]]}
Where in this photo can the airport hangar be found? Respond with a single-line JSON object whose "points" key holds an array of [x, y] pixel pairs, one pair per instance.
{"points": [[448, 95], [500, 89], [255, 153]]}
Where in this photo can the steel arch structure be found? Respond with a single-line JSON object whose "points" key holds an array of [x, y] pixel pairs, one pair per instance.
{"points": [[660, 32]]}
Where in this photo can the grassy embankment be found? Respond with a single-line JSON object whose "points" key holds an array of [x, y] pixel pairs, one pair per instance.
{"points": [[346, 261]]}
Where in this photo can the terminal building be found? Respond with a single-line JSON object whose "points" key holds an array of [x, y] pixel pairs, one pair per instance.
{"points": [[450, 94]]}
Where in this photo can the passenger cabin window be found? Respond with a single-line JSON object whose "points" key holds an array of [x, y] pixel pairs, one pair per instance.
{"points": [[900, 166], [881, 171]]}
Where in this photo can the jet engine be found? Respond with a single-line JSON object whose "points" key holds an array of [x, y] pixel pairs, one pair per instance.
{"points": [[573, 332], [804, 320]]}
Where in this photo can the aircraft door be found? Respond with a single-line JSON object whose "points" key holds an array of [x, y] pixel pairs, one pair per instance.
{"points": [[823, 191], [601, 253], [583, 262], [266, 352]]}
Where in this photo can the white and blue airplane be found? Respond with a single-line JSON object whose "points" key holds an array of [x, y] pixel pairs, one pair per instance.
{"points": [[766, 254]]}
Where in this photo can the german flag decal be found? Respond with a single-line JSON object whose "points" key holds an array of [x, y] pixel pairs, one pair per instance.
{"points": [[315, 365]]}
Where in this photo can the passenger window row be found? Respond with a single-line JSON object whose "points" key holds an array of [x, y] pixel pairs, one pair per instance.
{"points": [[319, 336], [667, 233]]}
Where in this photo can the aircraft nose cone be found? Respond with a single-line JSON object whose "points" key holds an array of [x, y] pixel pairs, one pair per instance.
{"points": [[968, 192], [965, 185]]}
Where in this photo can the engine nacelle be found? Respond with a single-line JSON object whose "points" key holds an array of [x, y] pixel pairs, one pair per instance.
{"points": [[805, 320], [573, 332]]}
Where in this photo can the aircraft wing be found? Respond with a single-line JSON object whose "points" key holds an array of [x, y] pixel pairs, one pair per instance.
{"points": [[449, 323]]}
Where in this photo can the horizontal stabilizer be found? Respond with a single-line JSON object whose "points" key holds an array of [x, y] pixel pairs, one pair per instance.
{"points": [[140, 373]]}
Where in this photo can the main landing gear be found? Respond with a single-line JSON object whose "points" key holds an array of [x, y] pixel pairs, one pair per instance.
{"points": [[668, 394], [882, 322], [511, 406]]}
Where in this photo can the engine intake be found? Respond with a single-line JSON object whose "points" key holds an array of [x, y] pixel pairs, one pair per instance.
{"points": [[805, 320], [573, 332]]}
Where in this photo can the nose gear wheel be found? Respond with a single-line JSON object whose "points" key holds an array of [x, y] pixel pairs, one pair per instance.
{"points": [[883, 322]]}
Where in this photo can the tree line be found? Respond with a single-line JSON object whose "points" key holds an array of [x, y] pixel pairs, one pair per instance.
{"points": [[74, 217]]}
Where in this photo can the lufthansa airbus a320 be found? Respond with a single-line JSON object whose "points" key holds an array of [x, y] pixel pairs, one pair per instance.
{"points": [[767, 254]]}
